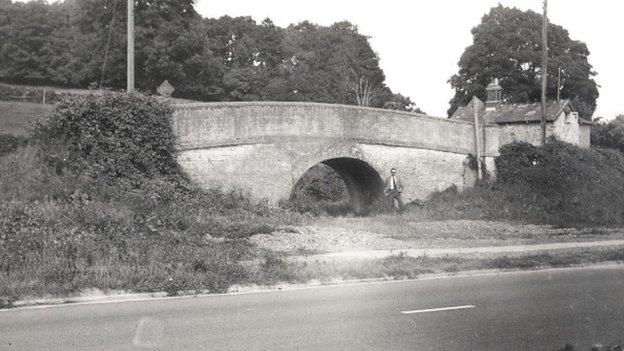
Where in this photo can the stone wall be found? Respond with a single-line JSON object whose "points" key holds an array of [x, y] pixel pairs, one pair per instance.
{"points": [[264, 148], [205, 125], [565, 128], [271, 170], [525, 132], [584, 135]]}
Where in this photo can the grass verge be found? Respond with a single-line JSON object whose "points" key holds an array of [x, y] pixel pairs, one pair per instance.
{"points": [[61, 232], [280, 269]]}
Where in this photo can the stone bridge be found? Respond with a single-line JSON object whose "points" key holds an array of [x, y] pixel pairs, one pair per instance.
{"points": [[265, 147]]}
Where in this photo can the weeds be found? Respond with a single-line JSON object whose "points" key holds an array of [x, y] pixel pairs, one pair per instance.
{"points": [[558, 184], [402, 266], [71, 219], [320, 191]]}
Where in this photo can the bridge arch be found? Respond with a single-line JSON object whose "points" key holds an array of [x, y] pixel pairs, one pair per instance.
{"points": [[364, 184], [265, 147]]}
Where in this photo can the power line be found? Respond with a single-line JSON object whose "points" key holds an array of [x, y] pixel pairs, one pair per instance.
{"points": [[544, 69], [108, 41], [130, 63]]}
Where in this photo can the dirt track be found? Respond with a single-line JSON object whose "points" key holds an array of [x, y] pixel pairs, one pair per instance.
{"points": [[363, 234]]}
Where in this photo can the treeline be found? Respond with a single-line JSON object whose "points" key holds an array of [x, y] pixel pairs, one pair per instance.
{"points": [[608, 134], [82, 43]]}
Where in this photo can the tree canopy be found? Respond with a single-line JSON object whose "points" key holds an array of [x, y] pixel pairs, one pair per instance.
{"points": [[608, 134], [507, 45], [83, 43]]}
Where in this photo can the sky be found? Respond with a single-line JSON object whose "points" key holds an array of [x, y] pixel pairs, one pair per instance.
{"points": [[420, 42]]}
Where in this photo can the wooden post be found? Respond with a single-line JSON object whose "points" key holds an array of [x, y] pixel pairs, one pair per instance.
{"points": [[130, 64], [559, 85], [476, 135], [484, 148], [44, 96], [544, 69]]}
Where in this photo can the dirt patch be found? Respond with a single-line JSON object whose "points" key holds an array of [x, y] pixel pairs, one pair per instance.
{"points": [[390, 233], [313, 239]]}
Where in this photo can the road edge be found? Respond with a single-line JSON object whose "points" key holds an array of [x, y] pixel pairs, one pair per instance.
{"points": [[256, 289]]}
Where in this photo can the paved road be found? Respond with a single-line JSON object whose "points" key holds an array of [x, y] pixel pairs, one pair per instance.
{"points": [[522, 311]]}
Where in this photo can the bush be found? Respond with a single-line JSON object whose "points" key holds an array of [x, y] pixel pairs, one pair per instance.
{"points": [[608, 134], [112, 136], [10, 143], [320, 191], [558, 184], [97, 200], [60, 233]]}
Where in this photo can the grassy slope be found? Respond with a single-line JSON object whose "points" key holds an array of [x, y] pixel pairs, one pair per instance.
{"points": [[402, 266], [60, 233], [15, 116]]}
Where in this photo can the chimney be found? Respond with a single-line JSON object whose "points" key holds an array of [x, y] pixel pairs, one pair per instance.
{"points": [[493, 95]]}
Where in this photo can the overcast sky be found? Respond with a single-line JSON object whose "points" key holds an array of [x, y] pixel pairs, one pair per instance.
{"points": [[420, 42]]}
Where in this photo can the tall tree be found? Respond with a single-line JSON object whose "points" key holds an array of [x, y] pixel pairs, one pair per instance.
{"points": [[83, 43], [24, 30], [506, 45], [608, 134]]}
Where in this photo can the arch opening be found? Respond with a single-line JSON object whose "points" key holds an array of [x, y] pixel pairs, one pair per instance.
{"points": [[350, 184]]}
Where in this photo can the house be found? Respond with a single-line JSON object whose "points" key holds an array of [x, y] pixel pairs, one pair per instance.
{"points": [[521, 122]]}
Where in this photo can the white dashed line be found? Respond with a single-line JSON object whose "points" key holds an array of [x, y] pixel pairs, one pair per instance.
{"points": [[438, 309]]}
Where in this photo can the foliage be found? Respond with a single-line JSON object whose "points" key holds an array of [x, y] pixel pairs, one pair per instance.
{"points": [[321, 182], [213, 59], [112, 135], [507, 45], [558, 184], [97, 200], [10, 143], [608, 134], [60, 233], [320, 191]]}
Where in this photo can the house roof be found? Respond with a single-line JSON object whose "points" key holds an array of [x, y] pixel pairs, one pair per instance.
{"points": [[514, 113]]}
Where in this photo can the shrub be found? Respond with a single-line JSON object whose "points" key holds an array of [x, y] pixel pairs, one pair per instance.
{"points": [[97, 200], [559, 184], [320, 191], [609, 134], [63, 232], [322, 183], [113, 136]]}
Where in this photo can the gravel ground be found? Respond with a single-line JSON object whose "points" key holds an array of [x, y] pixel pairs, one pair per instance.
{"points": [[311, 239], [351, 234]]}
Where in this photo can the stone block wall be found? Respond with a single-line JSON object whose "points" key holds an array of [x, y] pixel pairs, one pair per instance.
{"points": [[565, 128], [204, 125], [264, 148]]}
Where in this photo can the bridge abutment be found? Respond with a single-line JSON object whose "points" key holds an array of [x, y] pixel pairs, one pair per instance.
{"points": [[264, 148]]}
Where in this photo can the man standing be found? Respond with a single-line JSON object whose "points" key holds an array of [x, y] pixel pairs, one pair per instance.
{"points": [[393, 188]]}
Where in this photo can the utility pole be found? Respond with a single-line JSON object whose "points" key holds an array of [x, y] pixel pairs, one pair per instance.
{"points": [[130, 64], [559, 86], [476, 135], [544, 69]]}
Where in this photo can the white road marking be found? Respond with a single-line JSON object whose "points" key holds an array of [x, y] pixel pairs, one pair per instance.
{"points": [[438, 309]]}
